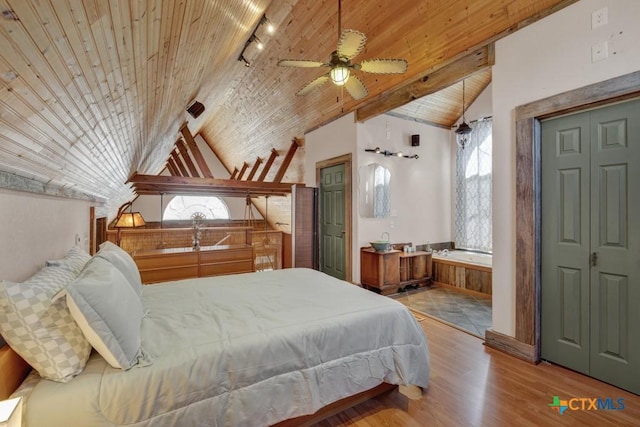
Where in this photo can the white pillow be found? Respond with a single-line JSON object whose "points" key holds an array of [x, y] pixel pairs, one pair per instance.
{"points": [[123, 262], [109, 313], [40, 330]]}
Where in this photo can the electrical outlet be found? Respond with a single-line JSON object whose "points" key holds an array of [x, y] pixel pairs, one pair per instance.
{"points": [[600, 17], [599, 51]]}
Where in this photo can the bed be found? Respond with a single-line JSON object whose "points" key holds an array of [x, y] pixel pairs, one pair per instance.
{"points": [[250, 349]]}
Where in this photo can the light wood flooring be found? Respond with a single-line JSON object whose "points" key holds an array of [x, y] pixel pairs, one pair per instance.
{"points": [[472, 385]]}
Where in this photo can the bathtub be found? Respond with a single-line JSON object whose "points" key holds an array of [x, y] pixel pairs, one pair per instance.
{"points": [[464, 270]]}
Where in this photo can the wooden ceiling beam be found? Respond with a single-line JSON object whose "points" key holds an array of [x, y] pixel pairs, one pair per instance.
{"points": [[267, 166], [184, 152], [152, 184], [193, 147], [439, 79], [176, 159], [234, 174], [287, 160], [254, 169], [244, 168], [173, 169]]}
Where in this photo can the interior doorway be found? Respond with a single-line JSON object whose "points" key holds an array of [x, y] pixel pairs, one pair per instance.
{"points": [[333, 178]]}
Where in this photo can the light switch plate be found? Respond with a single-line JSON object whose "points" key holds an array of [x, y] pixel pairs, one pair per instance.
{"points": [[600, 17]]}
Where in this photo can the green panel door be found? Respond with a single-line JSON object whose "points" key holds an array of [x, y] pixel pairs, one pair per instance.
{"points": [[590, 243], [332, 221], [565, 241], [615, 242]]}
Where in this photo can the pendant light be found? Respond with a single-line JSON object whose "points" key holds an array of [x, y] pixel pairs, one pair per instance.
{"points": [[464, 130]]}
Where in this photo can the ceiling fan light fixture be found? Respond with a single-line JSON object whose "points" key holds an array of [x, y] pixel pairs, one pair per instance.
{"points": [[340, 75]]}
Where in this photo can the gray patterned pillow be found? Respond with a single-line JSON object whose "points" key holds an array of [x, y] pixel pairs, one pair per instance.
{"points": [[74, 260], [40, 330]]}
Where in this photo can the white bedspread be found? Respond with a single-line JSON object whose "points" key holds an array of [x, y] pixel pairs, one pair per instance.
{"points": [[244, 350]]}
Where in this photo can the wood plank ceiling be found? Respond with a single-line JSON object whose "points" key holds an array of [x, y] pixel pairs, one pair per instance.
{"points": [[92, 91]]}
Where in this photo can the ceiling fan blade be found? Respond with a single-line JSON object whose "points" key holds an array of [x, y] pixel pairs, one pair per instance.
{"points": [[356, 88], [313, 85], [351, 43], [301, 63], [384, 66]]}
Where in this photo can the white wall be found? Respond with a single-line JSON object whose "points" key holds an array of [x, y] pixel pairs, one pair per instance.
{"points": [[36, 228], [420, 189], [149, 206], [546, 58]]}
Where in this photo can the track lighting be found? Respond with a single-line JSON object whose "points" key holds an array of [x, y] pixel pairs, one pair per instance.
{"points": [[254, 38], [388, 153]]}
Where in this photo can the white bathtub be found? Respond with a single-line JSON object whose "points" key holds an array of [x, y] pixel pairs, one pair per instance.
{"points": [[466, 257]]}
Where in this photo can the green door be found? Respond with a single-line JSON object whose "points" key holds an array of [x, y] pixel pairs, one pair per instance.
{"points": [[332, 221], [590, 243]]}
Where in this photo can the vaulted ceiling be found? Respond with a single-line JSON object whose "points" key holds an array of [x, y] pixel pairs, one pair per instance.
{"points": [[92, 91]]}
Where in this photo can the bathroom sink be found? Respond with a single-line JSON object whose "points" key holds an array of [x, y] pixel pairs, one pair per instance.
{"points": [[381, 245]]}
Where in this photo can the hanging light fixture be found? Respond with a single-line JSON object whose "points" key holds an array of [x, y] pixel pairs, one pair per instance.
{"points": [[339, 75], [464, 130]]}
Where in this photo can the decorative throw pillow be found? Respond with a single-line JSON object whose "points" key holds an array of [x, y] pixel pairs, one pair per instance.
{"points": [[109, 313], [74, 260], [40, 330], [123, 262]]}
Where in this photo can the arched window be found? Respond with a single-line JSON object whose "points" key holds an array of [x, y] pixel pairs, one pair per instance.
{"points": [[473, 191], [182, 207]]}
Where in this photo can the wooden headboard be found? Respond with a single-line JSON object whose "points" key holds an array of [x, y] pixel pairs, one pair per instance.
{"points": [[13, 370]]}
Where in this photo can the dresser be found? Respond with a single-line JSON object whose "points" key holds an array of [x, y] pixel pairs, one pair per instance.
{"points": [[162, 265], [388, 272]]}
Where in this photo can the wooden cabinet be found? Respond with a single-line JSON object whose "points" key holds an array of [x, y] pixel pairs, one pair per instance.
{"points": [[388, 272], [163, 265], [380, 270]]}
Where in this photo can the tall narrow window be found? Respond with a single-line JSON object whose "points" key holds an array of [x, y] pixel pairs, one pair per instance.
{"points": [[182, 207], [473, 191]]}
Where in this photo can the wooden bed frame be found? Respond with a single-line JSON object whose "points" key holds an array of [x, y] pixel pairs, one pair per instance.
{"points": [[13, 370]]}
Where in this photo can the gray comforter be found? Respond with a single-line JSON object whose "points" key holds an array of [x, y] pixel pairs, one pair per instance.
{"points": [[244, 350]]}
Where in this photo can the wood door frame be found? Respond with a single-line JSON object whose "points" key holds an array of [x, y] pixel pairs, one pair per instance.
{"points": [[528, 200], [345, 159]]}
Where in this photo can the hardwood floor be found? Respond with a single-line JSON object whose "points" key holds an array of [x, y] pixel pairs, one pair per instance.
{"points": [[472, 385]]}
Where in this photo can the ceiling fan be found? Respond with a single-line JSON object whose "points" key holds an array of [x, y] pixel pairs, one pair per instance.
{"points": [[350, 44]]}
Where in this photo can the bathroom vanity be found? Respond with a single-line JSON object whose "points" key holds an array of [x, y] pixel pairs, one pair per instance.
{"points": [[388, 272]]}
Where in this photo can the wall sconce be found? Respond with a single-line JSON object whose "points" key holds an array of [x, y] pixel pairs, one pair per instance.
{"points": [[254, 38], [388, 153]]}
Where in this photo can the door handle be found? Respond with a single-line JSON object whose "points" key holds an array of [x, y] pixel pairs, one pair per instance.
{"points": [[594, 259], [342, 232]]}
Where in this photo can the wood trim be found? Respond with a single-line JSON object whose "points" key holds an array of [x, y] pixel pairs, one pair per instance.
{"points": [[510, 345], [337, 407], [267, 166], [254, 169], [528, 190], [287, 160], [13, 370], [439, 79], [92, 230], [197, 155], [184, 152], [348, 206]]}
